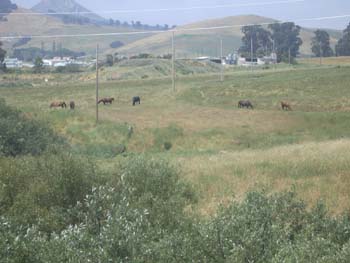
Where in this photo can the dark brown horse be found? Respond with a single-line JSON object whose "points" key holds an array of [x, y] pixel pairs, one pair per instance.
{"points": [[285, 106], [106, 101], [245, 104], [72, 105], [58, 104], [135, 100]]}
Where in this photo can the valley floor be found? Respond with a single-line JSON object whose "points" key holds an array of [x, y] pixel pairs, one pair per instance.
{"points": [[222, 150]]}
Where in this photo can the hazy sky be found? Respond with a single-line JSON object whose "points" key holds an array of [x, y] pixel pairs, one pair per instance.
{"points": [[285, 12]]}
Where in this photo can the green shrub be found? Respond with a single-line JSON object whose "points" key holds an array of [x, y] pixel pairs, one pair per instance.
{"points": [[168, 134], [41, 190], [167, 146], [20, 135]]}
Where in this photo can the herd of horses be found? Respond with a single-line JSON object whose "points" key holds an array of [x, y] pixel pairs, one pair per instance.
{"points": [[63, 105], [247, 104], [241, 104]]}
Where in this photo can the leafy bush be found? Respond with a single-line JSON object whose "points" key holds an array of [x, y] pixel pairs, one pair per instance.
{"points": [[140, 216], [41, 190], [20, 135], [70, 68], [168, 134], [167, 146], [116, 44]]}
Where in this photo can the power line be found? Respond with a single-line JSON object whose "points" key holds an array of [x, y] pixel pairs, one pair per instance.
{"points": [[173, 30], [160, 9]]}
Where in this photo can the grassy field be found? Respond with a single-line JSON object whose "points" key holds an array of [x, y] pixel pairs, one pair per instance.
{"points": [[222, 150]]}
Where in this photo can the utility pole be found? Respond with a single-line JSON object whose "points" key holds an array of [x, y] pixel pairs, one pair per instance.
{"points": [[274, 54], [173, 61], [221, 59], [320, 54], [97, 83], [251, 53], [289, 58]]}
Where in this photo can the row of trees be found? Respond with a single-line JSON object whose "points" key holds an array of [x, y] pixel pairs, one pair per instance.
{"points": [[321, 44], [283, 39], [138, 25], [343, 46]]}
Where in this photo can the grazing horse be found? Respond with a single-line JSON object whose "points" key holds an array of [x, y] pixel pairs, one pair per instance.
{"points": [[106, 101], [135, 100], [245, 104], [58, 104], [285, 105], [72, 105]]}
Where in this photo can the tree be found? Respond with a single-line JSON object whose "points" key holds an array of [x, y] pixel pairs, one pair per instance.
{"points": [[261, 40], [343, 46], [109, 60], [116, 44], [38, 65], [287, 40], [321, 44]]}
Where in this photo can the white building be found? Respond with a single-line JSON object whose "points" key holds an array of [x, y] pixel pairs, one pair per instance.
{"points": [[13, 63]]}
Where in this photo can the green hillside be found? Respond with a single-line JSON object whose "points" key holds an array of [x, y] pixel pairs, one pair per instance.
{"points": [[188, 43], [206, 42], [24, 25]]}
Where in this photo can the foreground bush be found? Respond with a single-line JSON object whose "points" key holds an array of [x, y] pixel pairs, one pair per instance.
{"points": [[40, 191], [20, 135], [139, 216]]}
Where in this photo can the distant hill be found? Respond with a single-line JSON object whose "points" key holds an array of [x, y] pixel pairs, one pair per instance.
{"points": [[188, 43], [66, 6], [206, 42], [6, 7], [20, 25]]}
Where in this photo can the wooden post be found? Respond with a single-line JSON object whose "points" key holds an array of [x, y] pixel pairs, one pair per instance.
{"points": [[221, 59], [97, 47], [173, 61], [289, 57], [320, 54], [251, 52]]}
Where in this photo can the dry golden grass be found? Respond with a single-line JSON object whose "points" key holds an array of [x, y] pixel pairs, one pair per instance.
{"points": [[316, 170], [326, 61]]}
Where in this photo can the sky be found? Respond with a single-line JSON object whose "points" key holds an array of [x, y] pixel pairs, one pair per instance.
{"points": [[283, 12]]}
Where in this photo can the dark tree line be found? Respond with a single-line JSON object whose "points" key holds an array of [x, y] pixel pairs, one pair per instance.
{"points": [[320, 45], [343, 46], [2, 55], [30, 54], [138, 25], [283, 39]]}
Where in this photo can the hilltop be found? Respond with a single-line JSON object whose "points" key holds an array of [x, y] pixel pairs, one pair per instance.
{"points": [[66, 6], [28, 25]]}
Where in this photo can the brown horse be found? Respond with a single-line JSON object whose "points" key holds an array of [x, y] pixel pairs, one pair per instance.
{"points": [[57, 104], [106, 101], [285, 106]]}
